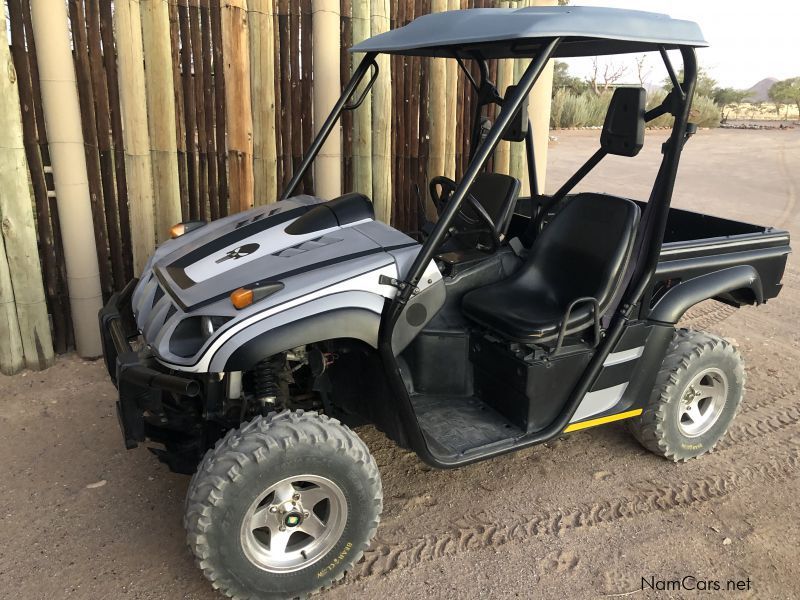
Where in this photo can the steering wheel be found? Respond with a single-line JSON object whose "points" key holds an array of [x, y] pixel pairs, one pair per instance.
{"points": [[472, 222]]}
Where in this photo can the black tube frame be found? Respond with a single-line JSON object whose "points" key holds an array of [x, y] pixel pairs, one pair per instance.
{"points": [[653, 237], [367, 63], [662, 195]]}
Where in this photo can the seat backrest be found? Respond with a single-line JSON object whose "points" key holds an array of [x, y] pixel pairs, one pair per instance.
{"points": [[585, 249], [498, 194]]}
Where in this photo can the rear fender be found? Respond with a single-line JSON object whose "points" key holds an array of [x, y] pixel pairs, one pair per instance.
{"points": [[673, 304]]}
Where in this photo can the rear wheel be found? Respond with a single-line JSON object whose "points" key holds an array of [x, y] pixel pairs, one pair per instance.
{"points": [[696, 395], [283, 506]]}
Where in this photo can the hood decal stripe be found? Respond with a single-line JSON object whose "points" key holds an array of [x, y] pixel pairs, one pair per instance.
{"points": [[279, 276]]}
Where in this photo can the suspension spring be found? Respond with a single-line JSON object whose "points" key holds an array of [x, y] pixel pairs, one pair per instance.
{"points": [[265, 380]]}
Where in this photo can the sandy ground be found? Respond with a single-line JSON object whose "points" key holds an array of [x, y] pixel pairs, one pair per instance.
{"points": [[586, 516]]}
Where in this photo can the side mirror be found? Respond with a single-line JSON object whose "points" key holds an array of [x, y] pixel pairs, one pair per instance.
{"points": [[623, 129], [518, 128]]}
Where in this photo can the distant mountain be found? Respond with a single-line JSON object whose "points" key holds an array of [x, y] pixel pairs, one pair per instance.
{"points": [[759, 92]]}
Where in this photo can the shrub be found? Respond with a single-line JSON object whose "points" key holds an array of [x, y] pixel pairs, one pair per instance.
{"points": [[578, 110], [589, 110]]}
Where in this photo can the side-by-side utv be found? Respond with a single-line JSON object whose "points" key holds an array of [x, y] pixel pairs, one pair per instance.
{"points": [[250, 345]]}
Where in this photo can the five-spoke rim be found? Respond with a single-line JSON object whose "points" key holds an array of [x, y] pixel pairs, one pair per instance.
{"points": [[702, 402], [293, 523]]}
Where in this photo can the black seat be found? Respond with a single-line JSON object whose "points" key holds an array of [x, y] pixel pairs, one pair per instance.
{"points": [[583, 252]]}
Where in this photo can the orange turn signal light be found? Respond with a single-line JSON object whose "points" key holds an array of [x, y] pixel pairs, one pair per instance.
{"points": [[177, 230], [242, 298]]}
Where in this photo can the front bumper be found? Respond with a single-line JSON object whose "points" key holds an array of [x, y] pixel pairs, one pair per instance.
{"points": [[137, 376]]}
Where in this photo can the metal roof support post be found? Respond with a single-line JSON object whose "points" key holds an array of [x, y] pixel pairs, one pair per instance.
{"points": [[62, 115]]}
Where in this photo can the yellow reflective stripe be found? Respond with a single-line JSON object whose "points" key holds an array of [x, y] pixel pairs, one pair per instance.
{"points": [[602, 420]]}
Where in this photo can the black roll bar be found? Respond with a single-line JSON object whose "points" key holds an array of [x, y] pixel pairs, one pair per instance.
{"points": [[367, 63], [481, 154]]}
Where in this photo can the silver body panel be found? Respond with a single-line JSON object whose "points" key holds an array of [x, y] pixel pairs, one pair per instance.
{"points": [[322, 272]]}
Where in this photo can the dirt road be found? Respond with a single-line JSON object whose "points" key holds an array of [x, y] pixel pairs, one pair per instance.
{"points": [[586, 516]]}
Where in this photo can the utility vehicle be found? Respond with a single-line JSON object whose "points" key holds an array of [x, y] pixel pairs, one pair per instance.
{"points": [[250, 345]]}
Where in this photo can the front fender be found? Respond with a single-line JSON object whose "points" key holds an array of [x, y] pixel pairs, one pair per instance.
{"points": [[354, 315], [671, 307]]}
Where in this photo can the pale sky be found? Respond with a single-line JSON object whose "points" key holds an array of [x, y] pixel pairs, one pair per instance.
{"points": [[748, 40]]}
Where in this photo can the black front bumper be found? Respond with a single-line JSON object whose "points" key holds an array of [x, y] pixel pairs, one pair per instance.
{"points": [[138, 377]]}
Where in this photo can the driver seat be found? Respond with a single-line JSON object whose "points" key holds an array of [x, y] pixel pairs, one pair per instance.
{"points": [[583, 252]]}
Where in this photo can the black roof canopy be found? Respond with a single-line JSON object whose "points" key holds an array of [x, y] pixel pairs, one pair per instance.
{"points": [[509, 33]]}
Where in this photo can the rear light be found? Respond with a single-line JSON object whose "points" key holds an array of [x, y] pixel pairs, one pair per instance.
{"points": [[245, 296]]}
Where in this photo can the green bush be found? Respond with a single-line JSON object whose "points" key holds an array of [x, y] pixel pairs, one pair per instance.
{"points": [[578, 110], [589, 110]]}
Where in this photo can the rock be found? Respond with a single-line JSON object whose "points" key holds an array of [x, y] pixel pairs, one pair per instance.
{"points": [[96, 484], [727, 541], [600, 475]]}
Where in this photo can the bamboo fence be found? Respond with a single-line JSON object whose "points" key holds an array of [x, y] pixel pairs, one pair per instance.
{"points": [[194, 109]]}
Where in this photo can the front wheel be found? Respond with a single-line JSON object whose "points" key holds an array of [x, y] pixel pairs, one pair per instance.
{"points": [[283, 506], [696, 395]]}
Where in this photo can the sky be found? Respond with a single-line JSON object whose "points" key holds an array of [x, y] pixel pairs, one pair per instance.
{"points": [[748, 40]]}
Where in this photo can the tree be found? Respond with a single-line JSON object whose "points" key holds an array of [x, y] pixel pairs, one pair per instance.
{"points": [[724, 97], [643, 70], [704, 87], [786, 91], [563, 80], [612, 72]]}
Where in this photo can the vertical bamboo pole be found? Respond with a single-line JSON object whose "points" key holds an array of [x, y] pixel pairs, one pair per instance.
{"points": [[516, 162], [219, 107], [104, 147], [295, 97], [161, 114], [399, 212], [362, 117], [505, 70], [189, 109], [180, 120], [19, 234], [47, 245], [128, 30], [88, 123], [238, 115], [539, 105], [382, 121], [307, 87], [117, 136], [12, 357], [326, 70], [450, 108], [437, 107], [198, 76], [207, 51], [62, 115], [260, 18]]}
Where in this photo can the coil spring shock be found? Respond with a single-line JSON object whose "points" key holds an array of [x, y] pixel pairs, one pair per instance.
{"points": [[265, 380]]}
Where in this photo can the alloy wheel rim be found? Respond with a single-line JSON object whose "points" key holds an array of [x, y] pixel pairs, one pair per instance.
{"points": [[702, 401], [293, 523]]}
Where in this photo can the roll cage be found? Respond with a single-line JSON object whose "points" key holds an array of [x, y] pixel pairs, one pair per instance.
{"points": [[654, 219]]}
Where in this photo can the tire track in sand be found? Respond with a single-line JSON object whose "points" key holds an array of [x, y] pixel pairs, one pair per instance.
{"points": [[476, 531]]}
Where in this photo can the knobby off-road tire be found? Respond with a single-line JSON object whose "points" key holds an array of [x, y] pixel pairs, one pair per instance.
{"points": [[699, 368], [243, 481]]}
